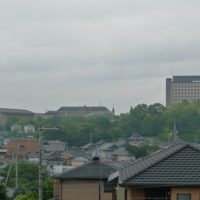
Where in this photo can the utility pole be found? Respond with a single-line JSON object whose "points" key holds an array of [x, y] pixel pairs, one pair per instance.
{"points": [[40, 166], [8, 173], [16, 167], [99, 174], [40, 171]]}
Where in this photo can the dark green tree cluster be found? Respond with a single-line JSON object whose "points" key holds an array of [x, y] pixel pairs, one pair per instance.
{"points": [[142, 151], [151, 121], [3, 193], [28, 181]]}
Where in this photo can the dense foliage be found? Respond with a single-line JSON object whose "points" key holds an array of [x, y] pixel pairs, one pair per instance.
{"points": [[142, 151], [150, 121], [3, 193], [28, 181], [29, 196]]}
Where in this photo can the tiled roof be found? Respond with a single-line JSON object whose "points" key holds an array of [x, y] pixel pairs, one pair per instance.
{"points": [[15, 111], [177, 165], [121, 151], [78, 153], [83, 108], [91, 171]]}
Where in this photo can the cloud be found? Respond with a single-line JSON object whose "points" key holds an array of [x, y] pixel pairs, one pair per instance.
{"points": [[82, 52]]}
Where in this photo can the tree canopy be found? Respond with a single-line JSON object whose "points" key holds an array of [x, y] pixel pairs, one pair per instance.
{"points": [[151, 121]]}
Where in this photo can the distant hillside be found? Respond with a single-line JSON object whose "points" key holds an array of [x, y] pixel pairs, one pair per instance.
{"points": [[152, 121]]}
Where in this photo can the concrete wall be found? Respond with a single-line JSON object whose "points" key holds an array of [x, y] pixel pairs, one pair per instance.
{"points": [[80, 190]]}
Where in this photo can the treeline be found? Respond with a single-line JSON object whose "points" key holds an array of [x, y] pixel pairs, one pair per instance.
{"points": [[151, 121]]}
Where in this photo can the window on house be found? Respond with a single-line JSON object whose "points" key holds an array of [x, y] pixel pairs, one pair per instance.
{"points": [[183, 196]]}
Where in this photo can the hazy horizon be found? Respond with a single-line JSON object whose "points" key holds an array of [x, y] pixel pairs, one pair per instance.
{"points": [[111, 53]]}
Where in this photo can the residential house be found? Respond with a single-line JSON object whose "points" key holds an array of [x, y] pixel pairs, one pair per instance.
{"points": [[54, 145], [52, 160], [89, 146], [76, 157], [169, 174], [84, 183], [78, 161], [29, 128], [137, 140], [121, 154], [108, 151], [105, 151]]}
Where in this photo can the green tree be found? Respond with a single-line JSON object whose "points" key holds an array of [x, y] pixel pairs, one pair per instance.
{"points": [[3, 194], [30, 196], [141, 151], [156, 108]]}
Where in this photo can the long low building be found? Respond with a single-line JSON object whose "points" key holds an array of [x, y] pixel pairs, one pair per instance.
{"points": [[7, 113], [83, 111], [22, 147]]}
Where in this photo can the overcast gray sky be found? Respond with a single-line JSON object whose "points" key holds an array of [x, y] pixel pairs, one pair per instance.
{"points": [[89, 52]]}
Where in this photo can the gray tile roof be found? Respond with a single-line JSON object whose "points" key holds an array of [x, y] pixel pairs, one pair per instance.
{"points": [[83, 108], [55, 145], [178, 165], [76, 152], [15, 111], [90, 171], [121, 151]]}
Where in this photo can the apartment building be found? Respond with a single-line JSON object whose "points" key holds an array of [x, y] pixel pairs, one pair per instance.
{"points": [[180, 88], [7, 113]]}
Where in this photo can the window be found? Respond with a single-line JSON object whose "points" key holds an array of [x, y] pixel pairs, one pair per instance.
{"points": [[183, 196]]}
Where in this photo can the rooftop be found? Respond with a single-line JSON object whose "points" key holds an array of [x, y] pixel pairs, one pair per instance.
{"points": [[82, 108], [177, 165], [186, 79], [89, 171], [15, 111]]}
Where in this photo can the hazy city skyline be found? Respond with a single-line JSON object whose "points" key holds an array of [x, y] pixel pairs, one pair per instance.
{"points": [[114, 53]]}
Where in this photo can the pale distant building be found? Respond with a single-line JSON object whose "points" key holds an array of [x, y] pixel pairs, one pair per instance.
{"points": [[182, 88], [82, 111], [7, 113], [16, 128], [29, 128]]}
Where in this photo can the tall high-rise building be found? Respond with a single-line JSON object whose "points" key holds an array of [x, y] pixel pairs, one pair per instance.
{"points": [[180, 88]]}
